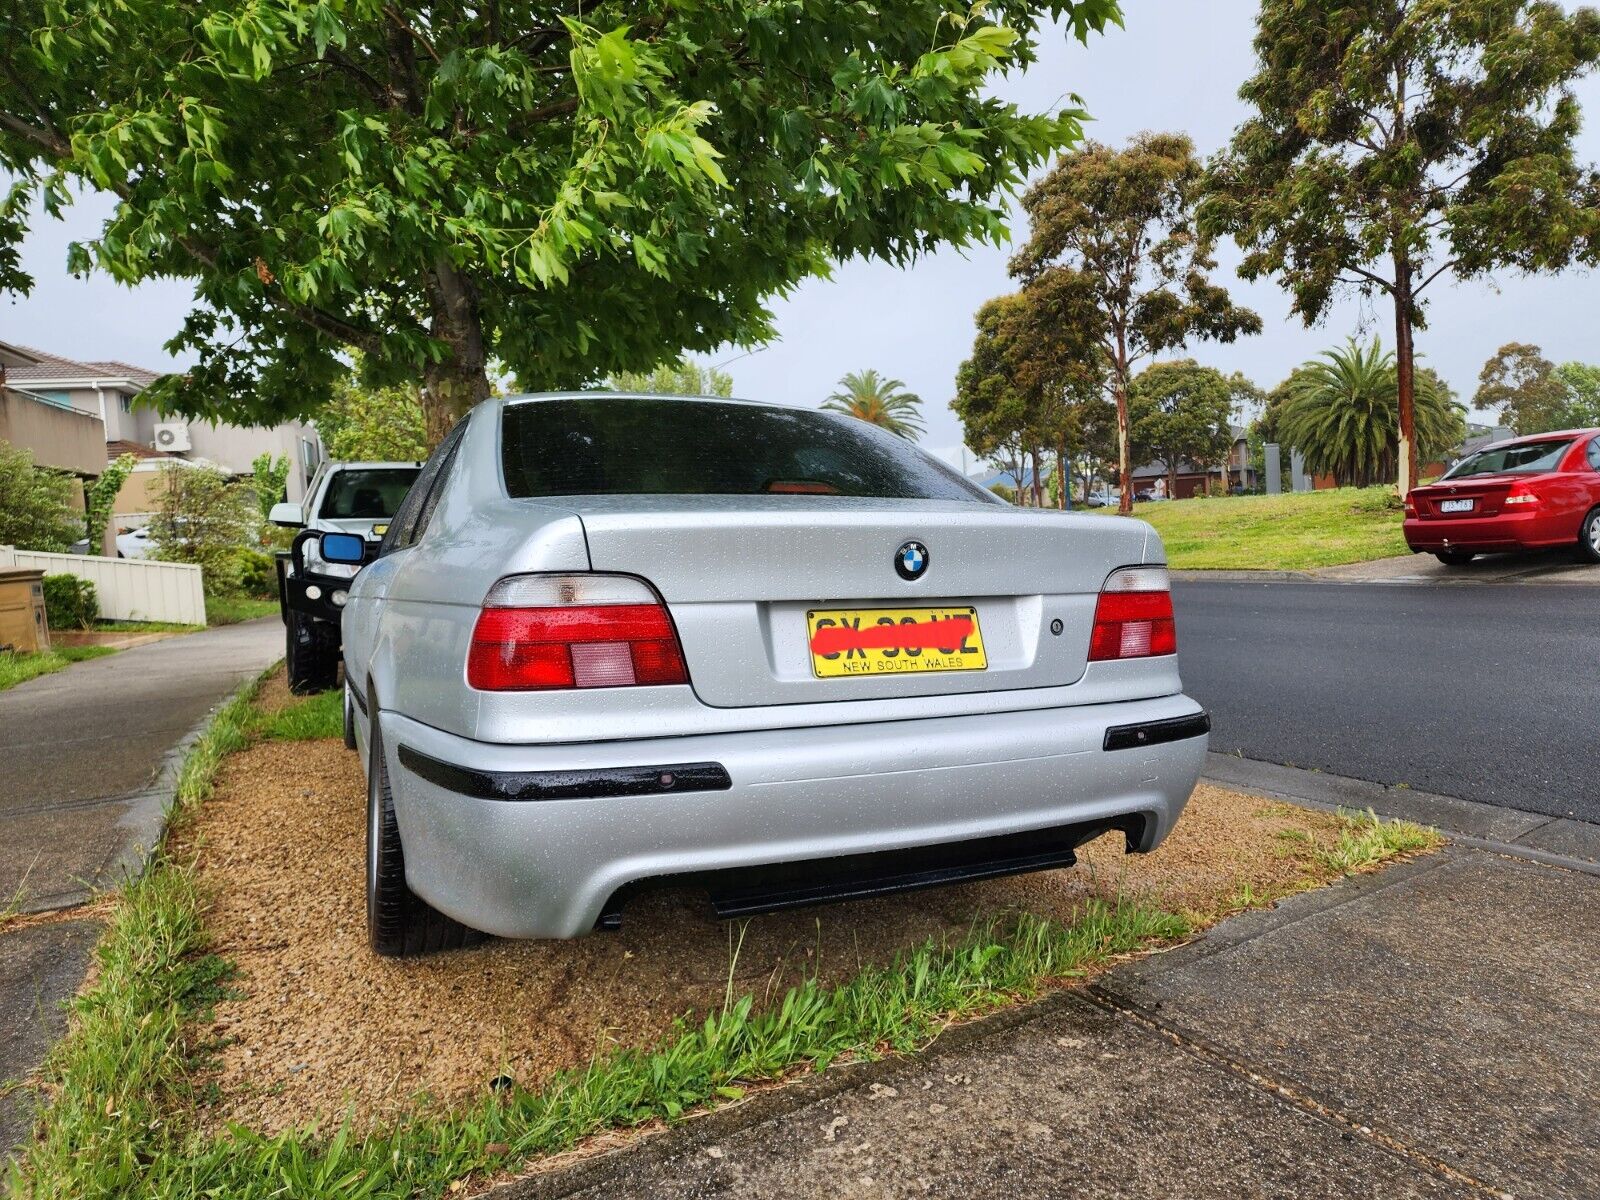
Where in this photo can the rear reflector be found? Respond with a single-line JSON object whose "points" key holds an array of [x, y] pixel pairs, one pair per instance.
{"points": [[544, 632], [1133, 618]]}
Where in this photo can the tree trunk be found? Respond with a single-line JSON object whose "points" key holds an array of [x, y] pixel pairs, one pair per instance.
{"points": [[1119, 393], [1038, 492], [459, 381], [1063, 478], [1405, 362]]}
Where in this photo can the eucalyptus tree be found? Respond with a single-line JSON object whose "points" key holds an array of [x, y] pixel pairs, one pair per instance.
{"points": [[1523, 386], [559, 192], [1182, 411], [682, 378], [1395, 143], [878, 400], [1342, 411], [1114, 231]]}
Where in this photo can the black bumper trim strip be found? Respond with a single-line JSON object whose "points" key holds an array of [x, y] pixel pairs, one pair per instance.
{"points": [[595, 784], [1154, 733]]}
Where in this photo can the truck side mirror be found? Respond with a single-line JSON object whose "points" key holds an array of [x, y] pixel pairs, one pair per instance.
{"points": [[291, 516]]}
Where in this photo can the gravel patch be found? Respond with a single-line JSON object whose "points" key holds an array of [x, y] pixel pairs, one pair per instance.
{"points": [[320, 1027]]}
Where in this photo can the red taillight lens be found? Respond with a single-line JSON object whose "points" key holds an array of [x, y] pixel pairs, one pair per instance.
{"points": [[1133, 618], [586, 632], [1521, 497]]}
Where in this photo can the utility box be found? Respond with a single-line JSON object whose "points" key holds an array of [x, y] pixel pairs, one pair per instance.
{"points": [[23, 628]]}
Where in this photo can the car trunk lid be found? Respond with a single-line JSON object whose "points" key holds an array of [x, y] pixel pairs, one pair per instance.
{"points": [[740, 574], [1487, 494]]}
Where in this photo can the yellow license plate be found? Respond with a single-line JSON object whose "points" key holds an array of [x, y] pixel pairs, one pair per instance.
{"points": [[892, 641]]}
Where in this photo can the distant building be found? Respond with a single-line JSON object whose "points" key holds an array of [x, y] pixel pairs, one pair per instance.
{"points": [[107, 391], [1194, 480], [58, 435]]}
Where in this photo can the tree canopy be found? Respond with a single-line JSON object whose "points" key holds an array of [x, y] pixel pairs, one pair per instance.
{"points": [[1182, 412], [681, 378], [1115, 239], [363, 423], [1394, 142], [1032, 383], [564, 193], [1521, 384], [878, 400]]}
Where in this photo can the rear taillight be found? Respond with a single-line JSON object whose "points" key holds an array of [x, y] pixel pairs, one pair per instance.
{"points": [[544, 632], [1411, 506], [1521, 496], [1133, 618]]}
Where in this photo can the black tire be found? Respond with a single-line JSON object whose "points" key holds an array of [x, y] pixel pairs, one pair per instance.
{"points": [[400, 924], [311, 654], [1589, 537], [1455, 558]]}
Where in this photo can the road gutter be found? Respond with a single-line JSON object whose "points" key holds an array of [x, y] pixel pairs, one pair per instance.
{"points": [[1535, 837]]}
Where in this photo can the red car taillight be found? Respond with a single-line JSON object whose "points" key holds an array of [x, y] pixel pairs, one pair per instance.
{"points": [[1521, 496], [545, 632], [1133, 618], [1411, 506]]}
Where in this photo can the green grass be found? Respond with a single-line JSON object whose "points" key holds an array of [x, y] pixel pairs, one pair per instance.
{"points": [[16, 668], [105, 626], [124, 1080], [1294, 532], [230, 610], [1367, 840], [320, 716]]}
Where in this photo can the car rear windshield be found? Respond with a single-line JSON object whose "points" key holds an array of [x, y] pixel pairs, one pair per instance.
{"points": [[617, 445], [1525, 457], [367, 493]]}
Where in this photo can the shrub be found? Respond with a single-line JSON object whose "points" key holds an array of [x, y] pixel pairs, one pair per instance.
{"points": [[203, 517], [256, 572], [36, 510], [70, 602]]}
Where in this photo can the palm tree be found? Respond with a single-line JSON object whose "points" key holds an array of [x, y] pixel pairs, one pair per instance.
{"points": [[870, 397], [1342, 413]]}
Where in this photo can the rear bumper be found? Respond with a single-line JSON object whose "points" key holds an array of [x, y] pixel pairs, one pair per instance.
{"points": [[1503, 532], [535, 841]]}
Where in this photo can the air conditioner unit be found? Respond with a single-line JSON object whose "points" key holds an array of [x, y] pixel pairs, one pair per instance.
{"points": [[172, 436]]}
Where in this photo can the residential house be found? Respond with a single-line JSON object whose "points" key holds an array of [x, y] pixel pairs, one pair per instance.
{"points": [[1194, 480], [108, 392], [58, 434]]}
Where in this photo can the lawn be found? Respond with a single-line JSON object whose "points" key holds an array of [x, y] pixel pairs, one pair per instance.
{"points": [[17, 668], [230, 610], [1278, 533]]}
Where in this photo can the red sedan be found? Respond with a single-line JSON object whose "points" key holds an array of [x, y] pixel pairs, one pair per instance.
{"points": [[1531, 492]]}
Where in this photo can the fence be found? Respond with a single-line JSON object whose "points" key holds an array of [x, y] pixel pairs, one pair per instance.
{"points": [[128, 589]]}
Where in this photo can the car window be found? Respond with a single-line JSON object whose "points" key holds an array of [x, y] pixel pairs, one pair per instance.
{"points": [[367, 493], [643, 446], [1594, 454], [412, 517], [1503, 460]]}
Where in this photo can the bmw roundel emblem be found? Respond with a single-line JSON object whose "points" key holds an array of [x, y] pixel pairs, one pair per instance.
{"points": [[911, 560]]}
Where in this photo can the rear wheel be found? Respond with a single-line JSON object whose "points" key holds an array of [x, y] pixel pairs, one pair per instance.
{"points": [[399, 922], [1455, 558], [1589, 537], [311, 654]]}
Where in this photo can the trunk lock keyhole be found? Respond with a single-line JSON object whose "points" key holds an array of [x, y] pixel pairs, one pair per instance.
{"points": [[1056, 627]]}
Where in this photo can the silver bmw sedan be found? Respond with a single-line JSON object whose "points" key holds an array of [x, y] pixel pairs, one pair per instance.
{"points": [[611, 642]]}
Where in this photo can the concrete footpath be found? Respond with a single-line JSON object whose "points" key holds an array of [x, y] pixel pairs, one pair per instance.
{"points": [[1428, 1030], [87, 759]]}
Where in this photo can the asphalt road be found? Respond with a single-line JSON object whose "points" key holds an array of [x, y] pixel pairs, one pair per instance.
{"points": [[1490, 693]]}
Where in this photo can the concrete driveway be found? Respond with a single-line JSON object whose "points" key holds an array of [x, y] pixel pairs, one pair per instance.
{"points": [[82, 750], [83, 745]]}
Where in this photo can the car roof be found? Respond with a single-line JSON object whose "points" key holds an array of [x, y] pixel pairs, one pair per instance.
{"points": [[348, 466], [1553, 435], [598, 394]]}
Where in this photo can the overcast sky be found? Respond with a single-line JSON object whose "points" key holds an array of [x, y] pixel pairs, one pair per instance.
{"points": [[1177, 65]]}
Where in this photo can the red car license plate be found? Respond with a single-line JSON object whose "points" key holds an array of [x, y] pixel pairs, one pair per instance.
{"points": [[1454, 506]]}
